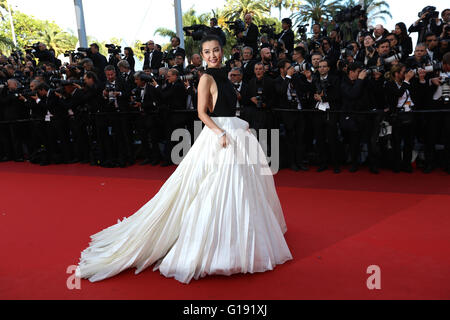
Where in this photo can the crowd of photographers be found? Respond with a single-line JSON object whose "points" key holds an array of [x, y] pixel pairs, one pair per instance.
{"points": [[349, 94]]}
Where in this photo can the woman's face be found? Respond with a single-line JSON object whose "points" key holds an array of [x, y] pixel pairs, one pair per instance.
{"points": [[126, 52], [368, 41], [212, 53], [397, 30]]}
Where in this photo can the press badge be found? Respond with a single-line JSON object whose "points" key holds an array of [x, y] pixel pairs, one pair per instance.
{"points": [[323, 106]]}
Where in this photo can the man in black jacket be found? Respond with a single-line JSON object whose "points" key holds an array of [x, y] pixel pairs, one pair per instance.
{"points": [[176, 49], [12, 107], [147, 122], [172, 98], [287, 35], [99, 60], [116, 102], [262, 100], [251, 34], [152, 57], [248, 64], [56, 125], [327, 99], [294, 92], [354, 99], [236, 77]]}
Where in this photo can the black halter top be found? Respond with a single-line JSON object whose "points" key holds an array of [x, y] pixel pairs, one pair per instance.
{"points": [[226, 94]]}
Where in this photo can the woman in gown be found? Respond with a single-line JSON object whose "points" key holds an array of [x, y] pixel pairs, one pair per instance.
{"points": [[218, 213]]}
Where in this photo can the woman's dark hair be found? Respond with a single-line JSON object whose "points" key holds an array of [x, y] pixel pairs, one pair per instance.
{"points": [[210, 37], [130, 51], [404, 33]]}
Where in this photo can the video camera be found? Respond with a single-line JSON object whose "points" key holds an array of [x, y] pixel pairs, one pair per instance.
{"points": [[445, 83], [113, 49], [430, 12], [197, 31], [237, 26], [350, 14], [268, 29], [33, 48]]}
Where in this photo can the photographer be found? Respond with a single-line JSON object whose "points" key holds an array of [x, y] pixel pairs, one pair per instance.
{"points": [[152, 58], [99, 60], [116, 97], [248, 64], [327, 97], [269, 62], [428, 22], [250, 35], [43, 54], [176, 49], [74, 101], [172, 97], [12, 108], [295, 92], [330, 53], [126, 74], [148, 124], [287, 35], [368, 55], [56, 125], [179, 63], [236, 76], [403, 93], [432, 43], [355, 98], [262, 99], [439, 124]]}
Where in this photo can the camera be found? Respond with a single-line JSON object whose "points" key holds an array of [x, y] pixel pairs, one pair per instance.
{"points": [[196, 31], [350, 14], [110, 89], [259, 98], [430, 11], [237, 26], [269, 30], [302, 67], [302, 29], [445, 83], [188, 77], [394, 57], [347, 51], [112, 49], [428, 68], [370, 71]]}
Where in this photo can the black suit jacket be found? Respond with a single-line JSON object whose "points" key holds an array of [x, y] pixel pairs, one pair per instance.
{"points": [[251, 39], [269, 93], [288, 39], [333, 91], [303, 88], [156, 61], [173, 95]]}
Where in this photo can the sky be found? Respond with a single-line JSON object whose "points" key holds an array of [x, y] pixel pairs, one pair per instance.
{"points": [[138, 19]]}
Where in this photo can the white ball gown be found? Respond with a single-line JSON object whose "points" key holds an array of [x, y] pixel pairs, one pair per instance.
{"points": [[218, 213]]}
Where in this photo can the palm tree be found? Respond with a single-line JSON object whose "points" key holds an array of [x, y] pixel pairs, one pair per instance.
{"points": [[237, 9], [376, 9], [6, 44], [55, 38], [316, 10], [3, 7], [280, 4]]}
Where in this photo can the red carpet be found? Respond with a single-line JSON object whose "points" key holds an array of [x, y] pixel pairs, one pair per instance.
{"points": [[338, 225]]}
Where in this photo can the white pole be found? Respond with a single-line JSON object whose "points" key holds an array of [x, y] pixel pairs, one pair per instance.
{"points": [[80, 23], [179, 21], [12, 26]]}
